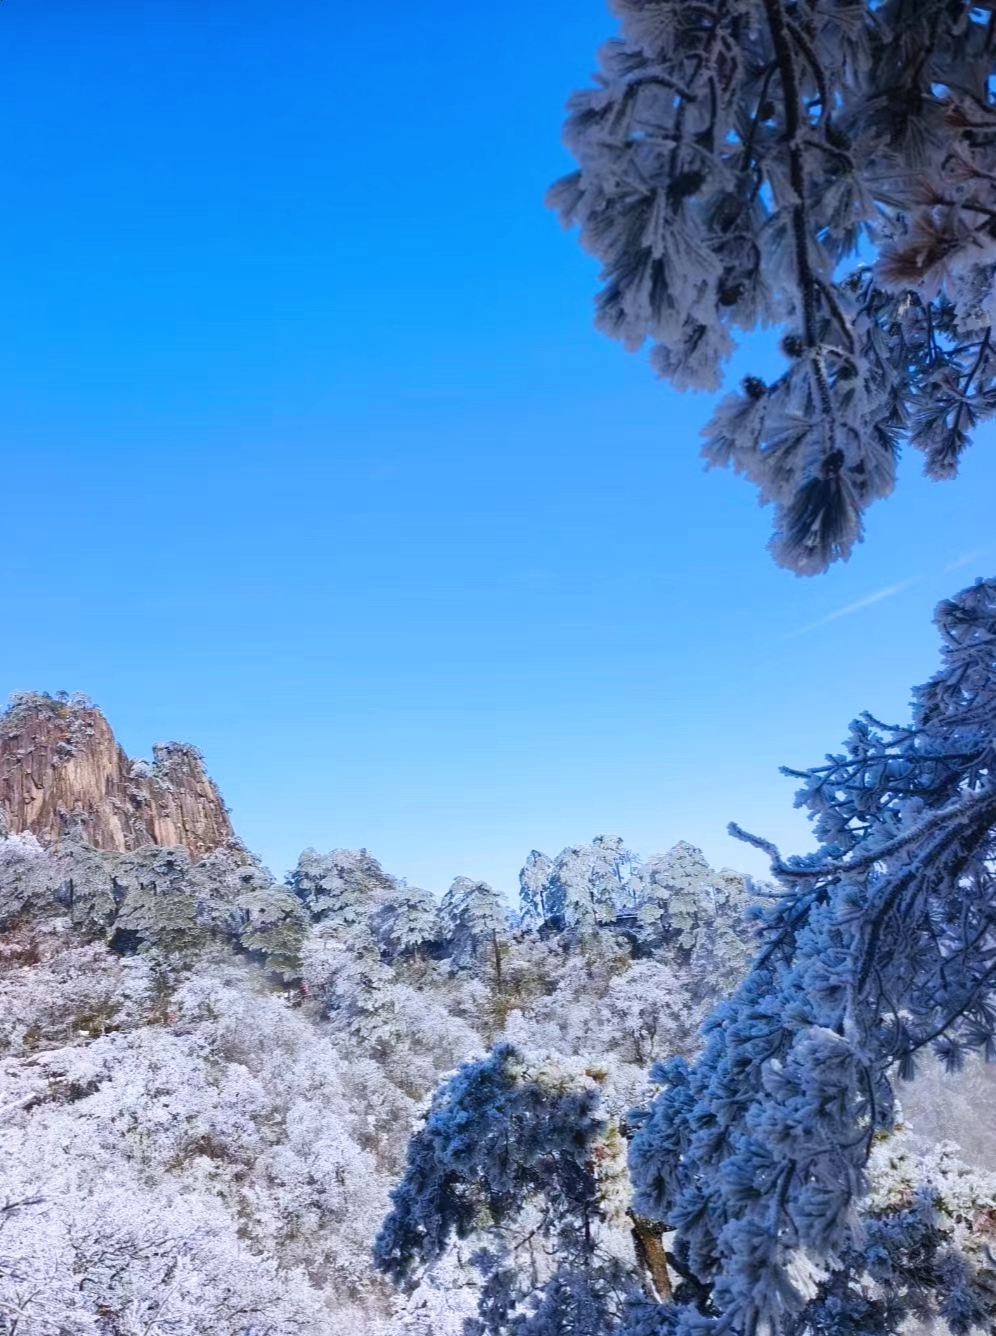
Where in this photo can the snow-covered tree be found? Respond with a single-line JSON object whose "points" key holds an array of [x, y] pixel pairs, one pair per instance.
{"points": [[521, 1157], [160, 905], [647, 1014], [698, 915], [475, 923], [824, 166], [583, 887], [267, 918], [534, 882], [878, 952], [408, 922], [342, 887]]}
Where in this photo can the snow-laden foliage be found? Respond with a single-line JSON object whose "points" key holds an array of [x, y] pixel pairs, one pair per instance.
{"points": [[153, 898], [208, 1079], [582, 887], [768, 1190], [340, 887], [522, 1161], [518, 1147], [674, 900], [474, 920], [825, 166], [181, 1153], [879, 952], [925, 1249]]}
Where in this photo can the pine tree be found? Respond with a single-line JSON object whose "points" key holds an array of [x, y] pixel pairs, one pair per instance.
{"points": [[507, 1141], [534, 883], [697, 914], [343, 887], [162, 905], [879, 950], [827, 168], [474, 921], [582, 887], [409, 922], [268, 919]]}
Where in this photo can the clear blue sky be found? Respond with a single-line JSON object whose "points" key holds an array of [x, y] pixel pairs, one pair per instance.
{"points": [[311, 456]]}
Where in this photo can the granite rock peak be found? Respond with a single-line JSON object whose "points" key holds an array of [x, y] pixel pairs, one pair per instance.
{"points": [[63, 772]]}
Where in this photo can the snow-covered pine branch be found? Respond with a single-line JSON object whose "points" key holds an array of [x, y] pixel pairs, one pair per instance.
{"points": [[880, 951], [826, 168]]}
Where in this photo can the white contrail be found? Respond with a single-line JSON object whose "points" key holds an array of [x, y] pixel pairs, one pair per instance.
{"points": [[966, 560], [865, 602]]}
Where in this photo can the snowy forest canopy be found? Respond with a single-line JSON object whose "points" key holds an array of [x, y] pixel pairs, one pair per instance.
{"points": [[657, 1099], [825, 167], [209, 1077]]}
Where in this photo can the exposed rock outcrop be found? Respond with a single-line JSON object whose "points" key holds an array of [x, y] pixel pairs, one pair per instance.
{"points": [[61, 769]]}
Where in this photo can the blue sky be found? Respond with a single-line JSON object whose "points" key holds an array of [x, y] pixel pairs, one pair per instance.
{"points": [[312, 457]]}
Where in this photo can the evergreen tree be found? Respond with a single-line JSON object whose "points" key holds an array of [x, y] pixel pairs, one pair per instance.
{"points": [[474, 921], [828, 168], [697, 914], [504, 1136], [534, 882], [342, 887], [163, 905], [582, 887], [879, 950], [268, 919], [409, 921]]}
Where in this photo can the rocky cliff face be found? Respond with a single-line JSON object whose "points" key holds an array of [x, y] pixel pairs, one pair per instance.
{"points": [[61, 769]]}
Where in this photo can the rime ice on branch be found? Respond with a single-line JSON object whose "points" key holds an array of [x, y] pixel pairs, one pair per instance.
{"points": [[828, 168], [880, 951]]}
